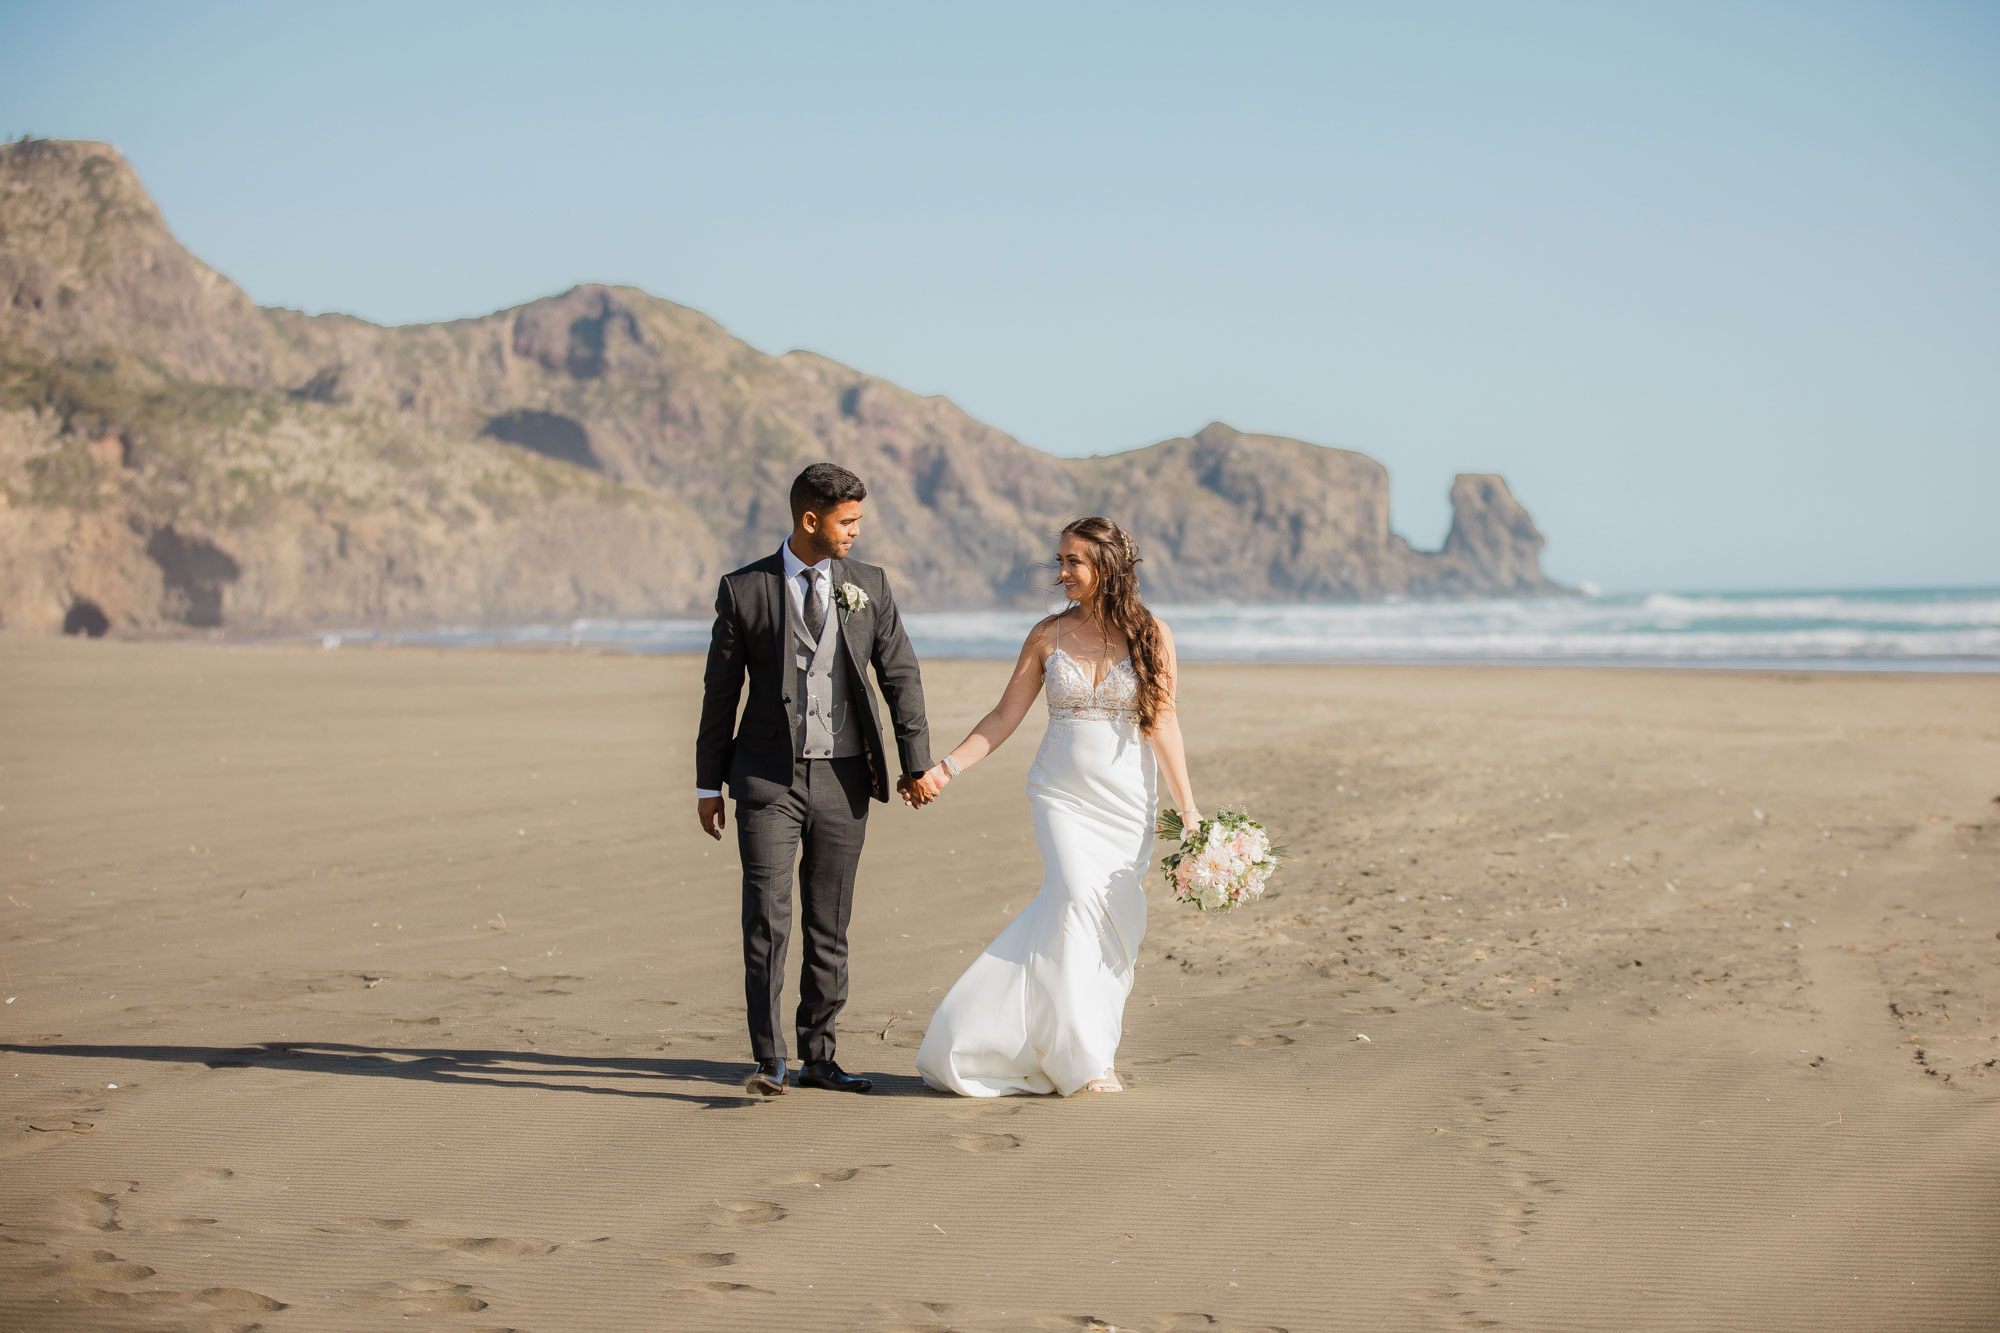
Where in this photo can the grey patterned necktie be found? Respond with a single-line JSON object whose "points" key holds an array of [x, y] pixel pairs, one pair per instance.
{"points": [[815, 609]]}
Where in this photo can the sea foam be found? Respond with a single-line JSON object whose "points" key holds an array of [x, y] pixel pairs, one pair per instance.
{"points": [[1908, 629]]}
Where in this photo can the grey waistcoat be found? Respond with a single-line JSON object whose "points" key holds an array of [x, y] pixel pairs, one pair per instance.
{"points": [[827, 727]]}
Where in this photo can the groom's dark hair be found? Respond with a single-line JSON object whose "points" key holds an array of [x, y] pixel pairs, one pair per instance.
{"points": [[822, 486]]}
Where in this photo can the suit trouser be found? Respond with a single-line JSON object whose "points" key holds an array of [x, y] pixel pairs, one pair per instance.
{"points": [[826, 814]]}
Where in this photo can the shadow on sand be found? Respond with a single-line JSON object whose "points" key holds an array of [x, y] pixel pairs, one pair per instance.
{"points": [[599, 1075]]}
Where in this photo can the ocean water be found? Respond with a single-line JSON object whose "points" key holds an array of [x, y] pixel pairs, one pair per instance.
{"points": [[1913, 629]]}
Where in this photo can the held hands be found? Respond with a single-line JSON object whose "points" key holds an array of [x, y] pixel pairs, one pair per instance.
{"points": [[920, 791]]}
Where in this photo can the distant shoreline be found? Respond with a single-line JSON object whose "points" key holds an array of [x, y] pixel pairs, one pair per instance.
{"points": [[1930, 631]]}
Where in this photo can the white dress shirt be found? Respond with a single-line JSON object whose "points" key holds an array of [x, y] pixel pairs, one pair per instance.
{"points": [[795, 588]]}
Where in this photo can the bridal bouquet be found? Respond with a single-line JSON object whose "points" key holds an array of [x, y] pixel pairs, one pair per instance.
{"points": [[1222, 861]]}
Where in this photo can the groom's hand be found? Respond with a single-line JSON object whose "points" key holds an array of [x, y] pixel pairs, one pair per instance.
{"points": [[922, 789], [712, 818]]}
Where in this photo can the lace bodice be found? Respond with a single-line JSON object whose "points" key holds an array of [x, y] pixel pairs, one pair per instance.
{"points": [[1072, 697]]}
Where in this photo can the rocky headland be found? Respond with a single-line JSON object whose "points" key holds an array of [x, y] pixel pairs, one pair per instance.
{"points": [[173, 456]]}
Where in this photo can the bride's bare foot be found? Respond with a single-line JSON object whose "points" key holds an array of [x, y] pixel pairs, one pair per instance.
{"points": [[1107, 1082]]}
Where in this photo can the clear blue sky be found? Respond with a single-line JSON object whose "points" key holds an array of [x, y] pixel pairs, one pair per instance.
{"points": [[1716, 286]]}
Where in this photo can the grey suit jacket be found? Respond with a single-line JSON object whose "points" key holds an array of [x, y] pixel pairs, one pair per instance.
{"points": [[753, 755]]}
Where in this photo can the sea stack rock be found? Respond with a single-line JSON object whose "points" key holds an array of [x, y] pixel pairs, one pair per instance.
{"points": [[1494, 544]]}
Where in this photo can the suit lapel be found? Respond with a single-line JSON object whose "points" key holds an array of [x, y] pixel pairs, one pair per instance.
{"points": [[780, 617], [857, 653]]}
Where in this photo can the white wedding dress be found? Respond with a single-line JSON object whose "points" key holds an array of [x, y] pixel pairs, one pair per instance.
{"points": [[1042, 1009]]}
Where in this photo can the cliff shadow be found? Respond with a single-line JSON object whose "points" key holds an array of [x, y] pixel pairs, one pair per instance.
{"points": [[196, 573], [548, 434]]}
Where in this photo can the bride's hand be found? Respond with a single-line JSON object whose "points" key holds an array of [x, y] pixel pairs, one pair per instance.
{"points": [[937, 775]]}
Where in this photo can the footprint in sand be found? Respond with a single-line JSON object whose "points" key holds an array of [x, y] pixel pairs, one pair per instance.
{"points": [[97, 1266], [1264, 1041], [714, 1290], [913, 1317], [496, 1247], [200, 1179], [744, 1212], [700, 1259], [78, 1114], [828, 1175], [91, 1209], [985, 1110], [351, 1226], [209, 1298], [423, 1296], [978, 1142]]}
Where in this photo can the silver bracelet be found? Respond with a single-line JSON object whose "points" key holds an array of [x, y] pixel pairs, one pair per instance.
{"points": [[951, 766]]}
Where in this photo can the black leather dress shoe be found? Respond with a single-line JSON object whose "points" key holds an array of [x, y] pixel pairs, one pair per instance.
{"points": [[826, 1074], [767, 1079]]}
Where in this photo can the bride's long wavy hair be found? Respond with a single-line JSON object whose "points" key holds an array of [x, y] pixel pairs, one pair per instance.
{"points": [[1115, 557]]}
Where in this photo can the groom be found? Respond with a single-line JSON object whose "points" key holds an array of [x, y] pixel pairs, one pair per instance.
{"points": [[805, 757]]}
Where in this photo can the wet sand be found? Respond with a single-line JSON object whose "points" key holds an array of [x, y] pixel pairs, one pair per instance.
{"points": [[1589, 999]]}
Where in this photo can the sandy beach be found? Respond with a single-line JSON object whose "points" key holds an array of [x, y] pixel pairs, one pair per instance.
{"points": [[356, 989]]}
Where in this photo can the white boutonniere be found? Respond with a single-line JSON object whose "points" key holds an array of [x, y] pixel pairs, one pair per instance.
{"points": [[851, 597]]}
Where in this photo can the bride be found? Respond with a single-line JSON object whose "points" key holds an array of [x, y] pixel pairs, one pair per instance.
{"points": [[1042, 1009]]}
